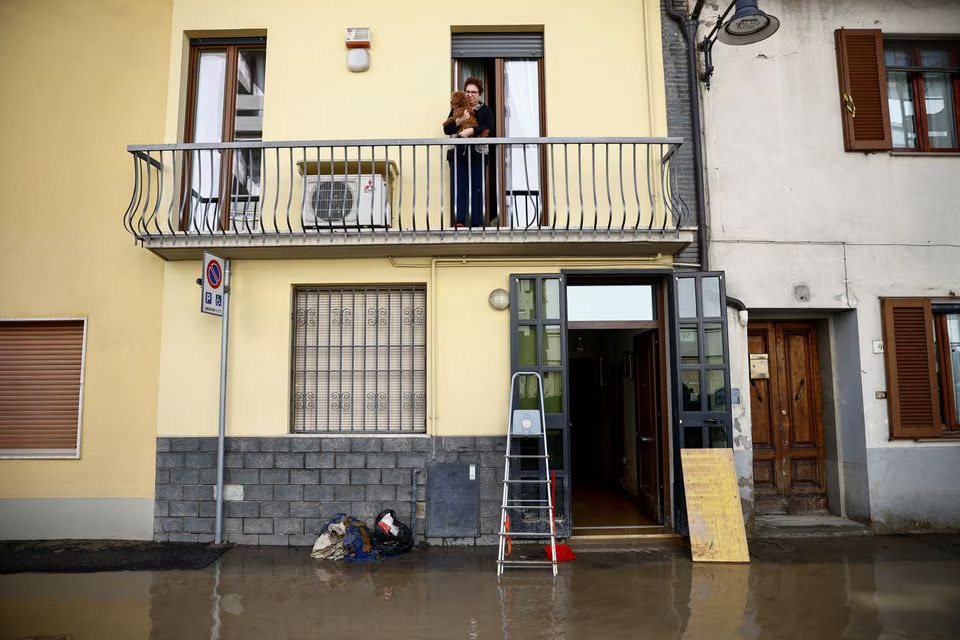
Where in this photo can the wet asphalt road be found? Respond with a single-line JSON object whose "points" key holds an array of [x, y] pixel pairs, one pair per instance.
{"points": [[867, 587]]}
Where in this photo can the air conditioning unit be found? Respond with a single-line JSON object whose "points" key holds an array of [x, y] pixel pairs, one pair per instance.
{"points": [[359, 200]]}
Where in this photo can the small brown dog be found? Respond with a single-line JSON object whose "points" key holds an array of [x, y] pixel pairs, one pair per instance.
{"points": [[459, 104]]}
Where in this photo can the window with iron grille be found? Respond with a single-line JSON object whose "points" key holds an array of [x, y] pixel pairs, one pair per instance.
{"points": [[359, 359]]}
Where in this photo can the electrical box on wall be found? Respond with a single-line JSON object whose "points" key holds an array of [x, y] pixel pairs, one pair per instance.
{"points": [[358, 37], [453, 500]]}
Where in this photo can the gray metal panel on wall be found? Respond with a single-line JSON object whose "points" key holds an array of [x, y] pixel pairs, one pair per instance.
{"points": [[453, 500], [496, 45]]}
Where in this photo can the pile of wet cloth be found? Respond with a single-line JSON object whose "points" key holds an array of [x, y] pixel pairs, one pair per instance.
{"points": [[347, 538]]}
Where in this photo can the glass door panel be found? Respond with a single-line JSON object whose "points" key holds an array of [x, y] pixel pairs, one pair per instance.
{"points": [[701, 392], [686, 298], [248, 126], [551, 299], [701, 360], [527, 346], [713, 343], [525, 307], [552, 345], [539, 344]]}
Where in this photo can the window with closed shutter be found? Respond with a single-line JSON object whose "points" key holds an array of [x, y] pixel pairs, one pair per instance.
{"points": [[863, 90], [359, 359], [41, 385], [912, 389]]}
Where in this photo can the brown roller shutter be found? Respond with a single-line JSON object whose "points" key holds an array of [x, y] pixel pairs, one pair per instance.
{"points": [[863, 90], [41, 373], [911, 368]]}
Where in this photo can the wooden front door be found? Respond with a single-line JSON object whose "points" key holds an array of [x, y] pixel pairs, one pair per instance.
{"points": [[647, 376], [788, 463]]}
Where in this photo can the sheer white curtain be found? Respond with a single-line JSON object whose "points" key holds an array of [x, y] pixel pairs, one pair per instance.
{"points": [[207, 127], [522, 120]]}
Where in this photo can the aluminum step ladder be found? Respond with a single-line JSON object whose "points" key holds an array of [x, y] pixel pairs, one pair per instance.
{"points": [[526, 429]]}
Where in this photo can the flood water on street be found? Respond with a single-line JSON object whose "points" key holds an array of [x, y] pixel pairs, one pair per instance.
{"points": [[873, 587]]}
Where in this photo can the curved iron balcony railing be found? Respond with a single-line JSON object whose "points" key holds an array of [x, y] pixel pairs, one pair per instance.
{"points": [[400, 192]]}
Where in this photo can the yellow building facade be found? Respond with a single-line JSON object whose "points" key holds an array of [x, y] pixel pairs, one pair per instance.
{"points": [[88, 79]]}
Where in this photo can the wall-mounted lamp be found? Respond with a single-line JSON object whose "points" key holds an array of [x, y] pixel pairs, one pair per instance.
{"points": [[499, 299], [358, 45], [748, 25]]}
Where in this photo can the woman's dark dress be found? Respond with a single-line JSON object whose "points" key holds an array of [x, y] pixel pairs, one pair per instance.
{"points": [[468, 168]]}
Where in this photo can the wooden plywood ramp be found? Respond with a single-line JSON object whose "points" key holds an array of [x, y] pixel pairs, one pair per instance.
{"points": [[713, 506]]}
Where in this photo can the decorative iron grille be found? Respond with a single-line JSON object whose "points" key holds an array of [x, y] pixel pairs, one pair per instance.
{"points": [[359, 359]]}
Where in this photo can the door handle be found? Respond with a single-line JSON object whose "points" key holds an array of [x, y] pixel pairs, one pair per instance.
{"points": [[646, 439], [849, 105], [711, 421]]}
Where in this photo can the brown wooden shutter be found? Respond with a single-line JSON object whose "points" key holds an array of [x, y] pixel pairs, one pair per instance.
{"points": [[863, 90], [41, 367], [911, 368]]}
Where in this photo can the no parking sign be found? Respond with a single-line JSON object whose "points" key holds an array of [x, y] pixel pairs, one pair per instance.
{"points": [[211, 299]]}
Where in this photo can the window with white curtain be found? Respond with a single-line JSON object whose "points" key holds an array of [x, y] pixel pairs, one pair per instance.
{"points": [[227, 82]]}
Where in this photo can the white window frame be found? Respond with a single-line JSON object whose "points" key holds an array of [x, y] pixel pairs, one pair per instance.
{"points": [[59, 454]]}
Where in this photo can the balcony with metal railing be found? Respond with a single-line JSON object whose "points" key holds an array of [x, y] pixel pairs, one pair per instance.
{"points": [[402, 197]]}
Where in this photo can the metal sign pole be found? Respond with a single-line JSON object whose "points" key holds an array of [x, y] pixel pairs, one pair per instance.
{"points": [[221, 427]]}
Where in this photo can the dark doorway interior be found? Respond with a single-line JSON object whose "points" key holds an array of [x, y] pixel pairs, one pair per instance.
{"points": [[615, 442]]}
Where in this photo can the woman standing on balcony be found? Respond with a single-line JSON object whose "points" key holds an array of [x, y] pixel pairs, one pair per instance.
{"points": [[468, 163]]}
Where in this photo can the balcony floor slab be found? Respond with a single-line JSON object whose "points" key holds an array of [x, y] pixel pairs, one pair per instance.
{"points": [[446, 243]]}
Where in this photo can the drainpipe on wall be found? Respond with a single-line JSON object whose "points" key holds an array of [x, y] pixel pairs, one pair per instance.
{"points": [[688, 27]]}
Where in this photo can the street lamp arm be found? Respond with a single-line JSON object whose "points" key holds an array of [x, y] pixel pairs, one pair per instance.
{"points": [[706, 46]]}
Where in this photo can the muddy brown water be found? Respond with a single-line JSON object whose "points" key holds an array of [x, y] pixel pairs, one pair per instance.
{"points": [[877, 587]]}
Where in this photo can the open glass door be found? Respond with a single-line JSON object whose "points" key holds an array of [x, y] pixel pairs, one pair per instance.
{"points": [[510, 65], [538, 339], [701, 394], [225, 103]]}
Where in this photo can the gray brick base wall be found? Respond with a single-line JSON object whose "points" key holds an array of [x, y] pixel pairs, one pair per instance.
{"points": [[292, 486]]}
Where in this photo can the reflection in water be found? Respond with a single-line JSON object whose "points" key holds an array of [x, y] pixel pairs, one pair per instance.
{"points": [[718, 601], [533, 605], [889, 587]]}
